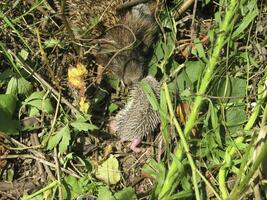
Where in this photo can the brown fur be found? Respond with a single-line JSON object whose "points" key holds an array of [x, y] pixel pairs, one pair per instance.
{"points": [[127, 45]]}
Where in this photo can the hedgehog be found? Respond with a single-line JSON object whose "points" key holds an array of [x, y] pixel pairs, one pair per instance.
{"points": [[137, 119], [128, 44]]}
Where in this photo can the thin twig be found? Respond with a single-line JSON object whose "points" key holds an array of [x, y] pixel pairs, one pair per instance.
{"points": [[193, 21], [67, 25], [47, 169], [35, 141], [60, 195], [45, 162]]}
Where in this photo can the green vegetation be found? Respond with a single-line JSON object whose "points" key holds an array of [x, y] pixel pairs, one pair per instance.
{"points": [[55, 104]]}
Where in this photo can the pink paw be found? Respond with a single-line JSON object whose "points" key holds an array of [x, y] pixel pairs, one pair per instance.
{"points": [[134, 145]]}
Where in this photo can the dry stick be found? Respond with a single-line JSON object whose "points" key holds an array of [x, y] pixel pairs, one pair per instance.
{"points": [[186, 4], [193, 21], [55, 148], [28, 156], [76, 169], [60, 195], [47, 169], [48, 67], [4, 186], [35, 152], [38, 155], [67, 25], [35, 141], [45, 59]]}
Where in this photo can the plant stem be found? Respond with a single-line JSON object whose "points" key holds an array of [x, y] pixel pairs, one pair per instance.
{"points": [[262, 94], [240, 187], [51, 185], [245, 182], [210, 67], [223, 30], [183, 141]]}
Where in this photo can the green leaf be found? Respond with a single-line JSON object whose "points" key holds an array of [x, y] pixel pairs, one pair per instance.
{"points": [[158, 171], [60, 138], [182, 195], [183, 81], [230, 87], [12, 87], [24, 54], [235, 116], [43, 105], [8, 103], [113, 81], [51, 43], [199, 49], [112, 107], [8, 125], [127, 193], [194, 70], [215, 124], [63, 145], [7, 109], [245, 23], [83, 126], [37, 100], [163, 117], [34, 112], [150, 95], [6, 74], [54, 140], [35, 95], [109, 171], [24, 86], [105, 194], [165, 47], [72, 188], [18, 86]]}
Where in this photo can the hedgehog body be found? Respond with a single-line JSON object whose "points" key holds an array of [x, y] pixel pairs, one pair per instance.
{"points": [[137, 118]]}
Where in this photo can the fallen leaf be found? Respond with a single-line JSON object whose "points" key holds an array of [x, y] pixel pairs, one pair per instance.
{"points": [[109, 171]]}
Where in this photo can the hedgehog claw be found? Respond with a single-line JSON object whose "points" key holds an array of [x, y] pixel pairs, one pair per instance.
{"points": [[134, 145]]}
